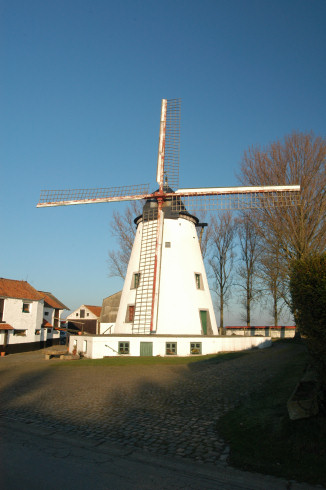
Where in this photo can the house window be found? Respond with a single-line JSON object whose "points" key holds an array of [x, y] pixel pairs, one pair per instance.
{"points": [[171, 348], [37, 331], [123, 347], [82, 313], [46, 313], [20, 333], [26, 307], [130, 313], [85, 346], [135, 280], [56, 318], [87, 314], [199, 281], [195, 348], [49, 330]]}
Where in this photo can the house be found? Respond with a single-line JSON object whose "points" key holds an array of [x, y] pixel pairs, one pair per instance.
{"points": [[28, 318], [85, 319], [52, 310], [110, 308]]}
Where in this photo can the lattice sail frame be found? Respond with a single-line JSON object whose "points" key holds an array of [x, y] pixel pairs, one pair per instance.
{"points": [[172, 144], [69, 197], [236, 199], [169, 145]]}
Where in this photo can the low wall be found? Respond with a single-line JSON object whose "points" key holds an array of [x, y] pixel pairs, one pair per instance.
{"points": [[282, 332], [28, 346], [99, 346]]}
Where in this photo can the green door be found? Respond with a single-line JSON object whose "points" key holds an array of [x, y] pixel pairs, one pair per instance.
{"points": [[203, 320], [146, 348]]}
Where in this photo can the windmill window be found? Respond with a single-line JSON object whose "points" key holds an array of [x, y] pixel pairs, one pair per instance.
{"points": [[130, 313], [123, 347], [26, 307], [167, 244], [135, 280], [199, 281], [195, 348], [171, 348]]}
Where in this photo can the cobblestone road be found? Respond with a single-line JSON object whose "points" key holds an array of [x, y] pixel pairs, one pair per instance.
{"points": [[166, 409]]}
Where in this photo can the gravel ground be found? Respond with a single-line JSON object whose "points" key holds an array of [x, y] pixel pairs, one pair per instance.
{"points": [[164, 409]]}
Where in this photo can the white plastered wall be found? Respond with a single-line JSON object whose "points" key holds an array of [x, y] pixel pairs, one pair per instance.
{"points": [[99, 346], [179, 300], [31, 321], [128, 294]]}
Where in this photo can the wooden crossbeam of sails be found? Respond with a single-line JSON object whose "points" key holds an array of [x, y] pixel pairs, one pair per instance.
{"points": [[191, 199]]}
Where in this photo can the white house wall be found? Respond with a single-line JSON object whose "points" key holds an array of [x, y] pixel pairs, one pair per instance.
{"points": [[30, 322], [14, 315], [75, 315]]}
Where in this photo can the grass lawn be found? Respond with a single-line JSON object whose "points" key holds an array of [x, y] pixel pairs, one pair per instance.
{"points": [[150, 360], [262, 438]]}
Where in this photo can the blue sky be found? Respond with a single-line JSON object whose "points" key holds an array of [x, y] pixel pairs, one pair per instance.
{"points": [[81, 89]]}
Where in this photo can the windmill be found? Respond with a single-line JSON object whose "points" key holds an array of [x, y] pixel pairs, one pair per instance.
{"points": [[166, 289]]}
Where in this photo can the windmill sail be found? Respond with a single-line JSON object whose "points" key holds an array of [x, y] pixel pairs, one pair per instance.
{"points": [[169, 145], [228, 198], [70, 197]]}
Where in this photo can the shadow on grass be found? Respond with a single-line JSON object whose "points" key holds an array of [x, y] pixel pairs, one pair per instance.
{"points": [[262, 438]]}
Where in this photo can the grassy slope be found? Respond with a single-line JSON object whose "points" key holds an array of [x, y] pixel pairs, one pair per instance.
{"points": [[262, 438], [130, 361]]}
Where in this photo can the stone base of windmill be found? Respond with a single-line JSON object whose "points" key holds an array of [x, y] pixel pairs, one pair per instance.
{"points": [[303, 403]]}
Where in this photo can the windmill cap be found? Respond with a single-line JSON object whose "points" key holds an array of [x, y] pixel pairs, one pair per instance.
{"points": [[151, 206]]}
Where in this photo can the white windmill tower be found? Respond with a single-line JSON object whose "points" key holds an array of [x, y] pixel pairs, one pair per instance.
{"points": [[166, 290]]}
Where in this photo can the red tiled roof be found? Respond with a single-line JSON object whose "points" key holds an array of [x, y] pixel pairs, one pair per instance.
{"points": [[46, 324], [6, 326], [11, 288], [52, 301], [96, 310]]}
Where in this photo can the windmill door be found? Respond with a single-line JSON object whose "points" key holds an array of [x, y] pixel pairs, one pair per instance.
{"points": [[146, 348], [203, 321]]}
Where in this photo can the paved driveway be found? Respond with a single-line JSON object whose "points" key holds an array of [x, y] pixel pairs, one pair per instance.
{"points": [[161, 410]]}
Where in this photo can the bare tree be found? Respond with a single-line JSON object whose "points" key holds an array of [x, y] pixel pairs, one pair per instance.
{"points": [[124, 229], [247, 268], [203, 233], [299, 159], [221, 258], [272, 275]]}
